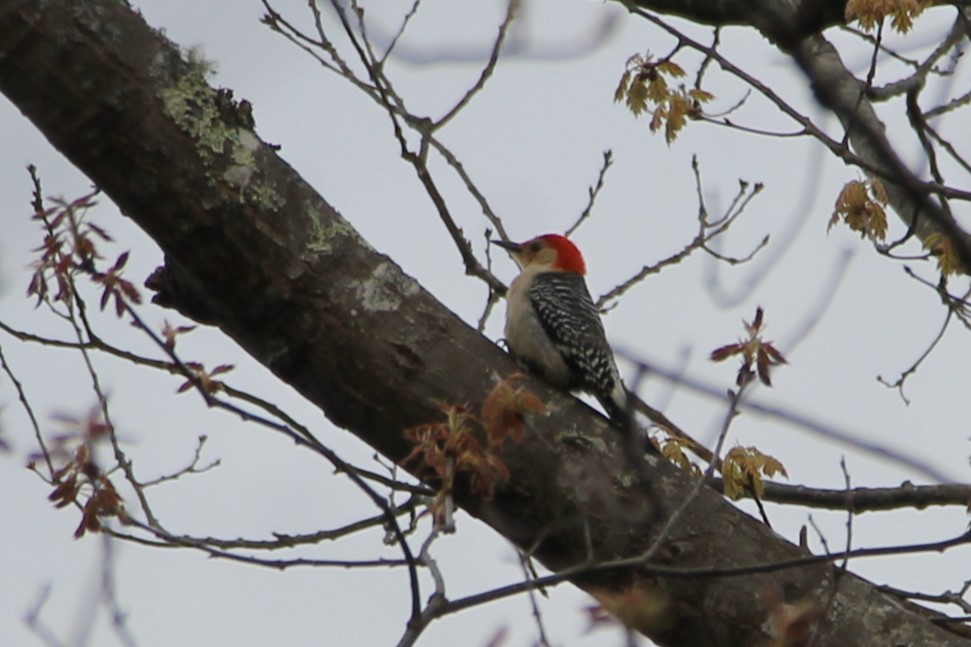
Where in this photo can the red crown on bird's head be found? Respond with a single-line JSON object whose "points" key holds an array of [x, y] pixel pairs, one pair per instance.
{"points": [[568, 256]]}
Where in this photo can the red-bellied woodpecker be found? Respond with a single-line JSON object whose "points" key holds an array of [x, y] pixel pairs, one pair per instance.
{"points": [[554, 328]]}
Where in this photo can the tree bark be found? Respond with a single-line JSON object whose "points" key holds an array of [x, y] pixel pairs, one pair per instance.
{"points": [[251, 248]]}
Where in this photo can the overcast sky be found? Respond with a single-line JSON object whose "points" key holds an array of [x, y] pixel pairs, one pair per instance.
{"points": [[533, 142]]}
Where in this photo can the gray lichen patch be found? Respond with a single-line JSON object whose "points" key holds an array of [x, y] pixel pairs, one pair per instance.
{"points": [[191, 104], [200, 113], [243, 154], [385, 289], [327, 231]]}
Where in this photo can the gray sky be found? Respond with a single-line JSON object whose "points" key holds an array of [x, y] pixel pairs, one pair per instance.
{"points": [[533, 142]]}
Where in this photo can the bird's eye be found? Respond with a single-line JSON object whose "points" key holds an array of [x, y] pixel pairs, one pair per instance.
{"points": [[535, 247]]}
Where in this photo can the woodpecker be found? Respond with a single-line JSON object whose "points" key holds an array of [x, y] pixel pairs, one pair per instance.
{"points": [[554, 328]]}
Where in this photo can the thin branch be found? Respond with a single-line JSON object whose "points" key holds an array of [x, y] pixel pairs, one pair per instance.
{"points": [[919, 126], [121, 459], [715, 41], [899, 383], [286, 541], [528, 574], [459, 169], [593, 192], [109, 594], [179, 368], [436, 602], [950, 106], [419, 160], [182, 541], [401, 30], [946, 145], [511, 8], [304, 440], [382, 92], [728, 123], [277, 23], [499, 593], [824, 430], [707, 231], [493, 297], [191, 468], [863, 499], [33, 621], [29, 410], [850, 511], [919, 77], [734, 397], [948, 597], [958, 305], [850, 123]]}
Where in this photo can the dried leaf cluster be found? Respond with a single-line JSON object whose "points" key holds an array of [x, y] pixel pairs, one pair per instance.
{"points": [[79, 480], [861, 205], [673, 449], [469, 445], [644, 88], [744, 468], [942, 248], [870, 13]]}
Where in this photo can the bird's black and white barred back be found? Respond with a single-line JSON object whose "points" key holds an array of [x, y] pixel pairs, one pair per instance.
{"points": [[571, 319]]}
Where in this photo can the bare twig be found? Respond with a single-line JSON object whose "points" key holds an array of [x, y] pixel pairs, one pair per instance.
{"points": [[436, 602], [948, 146], [29, 410], [493, 297], [470, 186], [708, 230], [172, 541], [511, 8], [34, 623], [499, 593], [528, 574], [809, 423], [191, 468], [734, 397], [382, 92], [948, 597], [303, 439], [715, 41], [401, 30], [593, 192], [95, 342], [950, 106], [109, 594], [921, 71], [900, 381], [849, 516]]}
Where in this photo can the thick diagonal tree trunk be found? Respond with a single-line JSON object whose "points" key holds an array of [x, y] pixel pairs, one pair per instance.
{"points": [[252, 249]]}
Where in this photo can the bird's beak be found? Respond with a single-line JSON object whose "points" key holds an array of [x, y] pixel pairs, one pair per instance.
{"points": [[515, 248]]}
